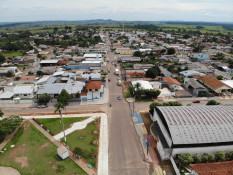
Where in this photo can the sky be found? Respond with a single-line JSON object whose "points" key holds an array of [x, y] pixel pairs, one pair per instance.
{"points": [[127, 10]]}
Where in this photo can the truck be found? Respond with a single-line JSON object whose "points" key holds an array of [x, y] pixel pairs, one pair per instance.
{"points": [[119, 82], [116, 71]]}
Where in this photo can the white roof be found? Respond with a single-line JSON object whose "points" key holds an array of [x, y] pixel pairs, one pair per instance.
{"points": [[91, 61], [42, 80], [6, 94], [187, 73], [23, 89], [93, 55], [58, 73], [144, 84], [228, 82], [49, 61]]}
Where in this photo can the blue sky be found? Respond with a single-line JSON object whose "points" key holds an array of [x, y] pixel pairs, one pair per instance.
{"points": [[153, 10]]}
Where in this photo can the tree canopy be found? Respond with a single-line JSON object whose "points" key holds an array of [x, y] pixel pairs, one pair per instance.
{"points": [[44, 98], [64, 97], [153, 72], [213, 102]]}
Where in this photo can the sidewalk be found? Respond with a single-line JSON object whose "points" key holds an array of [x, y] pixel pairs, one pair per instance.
{"points": [[147, 147], [76, 126], [79, 162]]}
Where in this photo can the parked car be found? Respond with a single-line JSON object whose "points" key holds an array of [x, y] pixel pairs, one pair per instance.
{"points": [[196, 101], [109, 79], [119, 97], [42, 106]]}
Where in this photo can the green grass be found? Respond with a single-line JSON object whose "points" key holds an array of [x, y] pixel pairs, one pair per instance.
{"points": [[28, 143], [12, 54], [85, 144], [127, 95], [55, 126]]}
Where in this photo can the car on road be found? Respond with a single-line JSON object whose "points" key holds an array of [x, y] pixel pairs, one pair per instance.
{"points": [[196, 101], [42, 106], [119, 97], [109, 79], [118, 78]]}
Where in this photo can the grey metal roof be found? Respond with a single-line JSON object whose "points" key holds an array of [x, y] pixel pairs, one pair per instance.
{"points": [[195, 84], [199, 124], [51, 88], [6, 94], [164, 71]]}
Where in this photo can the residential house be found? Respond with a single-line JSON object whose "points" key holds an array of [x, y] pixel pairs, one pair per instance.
{"points": [[173, 83], [128, 59], [24, 91], [92, 91], [124, 51], [196, 88], [189, 73], [165, 72], [51, 62], [201, 57], [214, 84]]}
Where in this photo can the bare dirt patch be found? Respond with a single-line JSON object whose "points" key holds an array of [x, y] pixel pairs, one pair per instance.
{"points": [[15, 151], [23, 161], [45, 145], [26, 125]]}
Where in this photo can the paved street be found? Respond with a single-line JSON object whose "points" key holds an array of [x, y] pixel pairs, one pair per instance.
{"points": [[126, 156]]}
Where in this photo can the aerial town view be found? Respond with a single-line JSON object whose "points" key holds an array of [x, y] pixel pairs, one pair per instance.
{"points": [[116, 87]]}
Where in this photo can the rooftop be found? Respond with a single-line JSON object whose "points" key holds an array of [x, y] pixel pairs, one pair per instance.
{"points": [[171, 81], [212, 82], [216, 168], [93, 85], [27, 78], [198, 124]]}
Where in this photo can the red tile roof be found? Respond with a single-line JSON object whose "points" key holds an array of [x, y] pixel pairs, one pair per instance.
{"points": [[212, 82], [63, 62], [216, 168], [27, 78], [171, 81], [93, 85]]}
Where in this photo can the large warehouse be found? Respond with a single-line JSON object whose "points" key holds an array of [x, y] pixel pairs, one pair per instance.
{"points": [[189, 129]]}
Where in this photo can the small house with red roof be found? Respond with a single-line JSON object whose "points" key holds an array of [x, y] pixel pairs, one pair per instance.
{"points": [[92, 90], [173, 83]]}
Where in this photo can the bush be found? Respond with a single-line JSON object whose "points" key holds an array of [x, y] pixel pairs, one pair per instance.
{"points": [[213, 102], [230, 155], [186, 158], [220, 155], [127, 95], [197, 158], [170, 103], [207, 157]]}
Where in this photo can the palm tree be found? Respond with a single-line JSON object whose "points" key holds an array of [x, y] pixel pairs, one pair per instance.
{"points": [[59, 107], [137, 86]]}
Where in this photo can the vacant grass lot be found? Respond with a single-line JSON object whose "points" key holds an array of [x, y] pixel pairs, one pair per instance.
{"points": [[35, 154], [89, 150], [55, 125], [12, 54]]}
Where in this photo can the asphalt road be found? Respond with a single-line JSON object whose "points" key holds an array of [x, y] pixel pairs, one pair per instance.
{"points": [[125, 153]]}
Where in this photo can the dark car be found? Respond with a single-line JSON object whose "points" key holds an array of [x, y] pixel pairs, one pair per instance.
{"points": [[119, 97]]}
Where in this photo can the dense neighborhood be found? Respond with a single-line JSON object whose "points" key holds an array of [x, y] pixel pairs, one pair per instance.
{"points": [[158, 99]]}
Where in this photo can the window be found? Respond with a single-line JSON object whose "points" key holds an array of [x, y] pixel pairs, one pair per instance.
{"points": [[25, 95], [96, 89], [90, 89]]}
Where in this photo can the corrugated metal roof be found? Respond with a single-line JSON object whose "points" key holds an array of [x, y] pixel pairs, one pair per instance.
{"points": [[199, 124]]}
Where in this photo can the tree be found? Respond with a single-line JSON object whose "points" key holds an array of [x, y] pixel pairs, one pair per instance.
{"points": [[77, 95], [152, 93], [1, 113], [186, 36], [172, 103], [137, 54], [58, 107], [207, 157], [64, 97], [2, 58], [39, 73], [171, 51], [197, 158], [186, 158], [39, 56], [9, 74], [55, 29], [162, 51], [220, 77], [220, 155], [153, 72], [131, 90], [213, 102], [44, 98]]}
